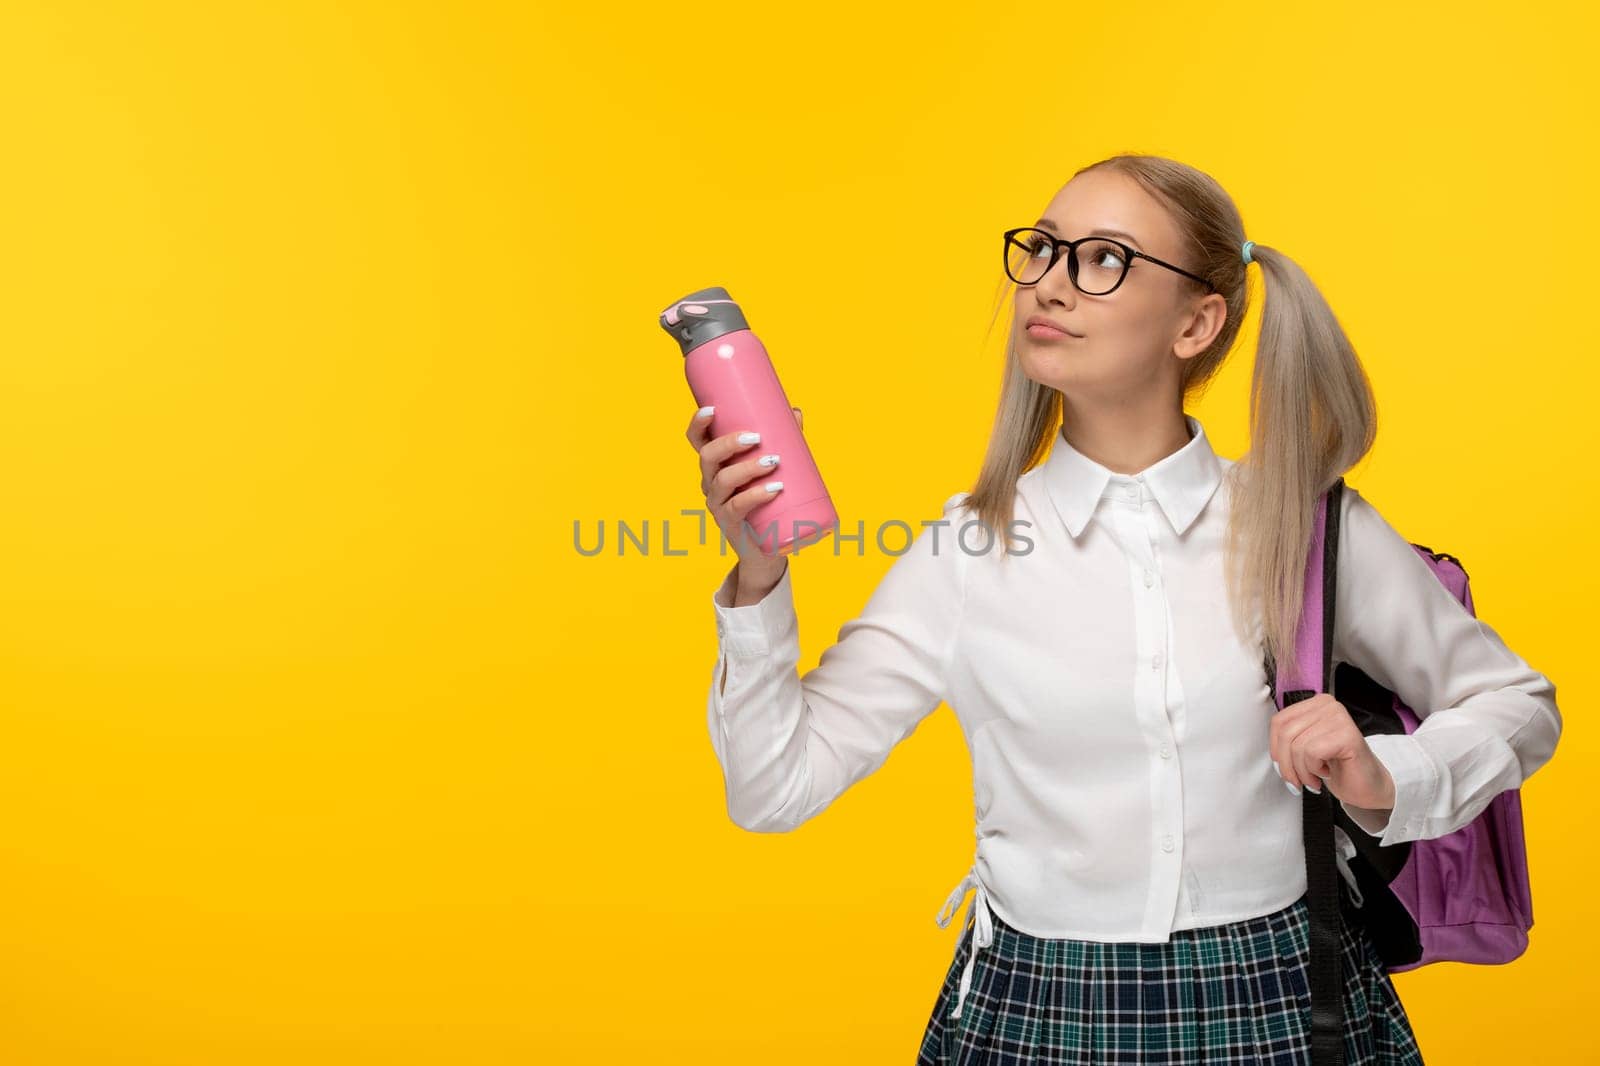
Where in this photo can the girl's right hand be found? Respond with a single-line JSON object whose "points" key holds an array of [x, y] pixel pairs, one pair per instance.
{"points": [[725, 465]]}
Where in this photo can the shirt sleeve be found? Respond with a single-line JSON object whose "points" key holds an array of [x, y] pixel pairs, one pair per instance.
{"points": [[1487, 719], [789, 744]]}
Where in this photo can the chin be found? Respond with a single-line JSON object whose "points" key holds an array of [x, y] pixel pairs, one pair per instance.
{"points": [[1053, 378], [1049, 367]]}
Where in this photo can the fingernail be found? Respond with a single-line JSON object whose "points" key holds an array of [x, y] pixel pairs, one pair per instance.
{"points": [[1274, 763], [769, 460], [1292, 788], [1316, 790], [704, 412], [749, 438], [774, 486]]}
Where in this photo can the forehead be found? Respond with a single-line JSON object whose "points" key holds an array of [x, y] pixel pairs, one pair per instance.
{"points": [[1105, 200]]}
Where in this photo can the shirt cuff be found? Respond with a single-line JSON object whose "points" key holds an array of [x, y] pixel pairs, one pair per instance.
{"points": [[753, 629], [1416, 783]]}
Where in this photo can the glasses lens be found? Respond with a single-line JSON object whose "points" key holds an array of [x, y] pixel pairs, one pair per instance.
{"points": [[1100, 263], [1100, 266], [1027, 254]]}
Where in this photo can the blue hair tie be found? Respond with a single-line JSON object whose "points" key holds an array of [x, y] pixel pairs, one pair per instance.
{"points": [[1247, 246]]}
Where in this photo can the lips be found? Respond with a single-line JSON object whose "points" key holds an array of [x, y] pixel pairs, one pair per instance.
{"points": [[1040, 320]]}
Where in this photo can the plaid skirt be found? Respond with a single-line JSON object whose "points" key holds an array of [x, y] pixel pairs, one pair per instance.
{"points": [[1231, 993]]}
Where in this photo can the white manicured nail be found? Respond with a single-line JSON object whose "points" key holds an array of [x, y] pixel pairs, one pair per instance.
{"points": [[1292, 788], [769, 460], [749, 438], [704, 412], [774, 486], [1274, 763]]}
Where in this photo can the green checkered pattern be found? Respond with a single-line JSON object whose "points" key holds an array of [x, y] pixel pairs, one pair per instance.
{"points": [[1231, 993]]}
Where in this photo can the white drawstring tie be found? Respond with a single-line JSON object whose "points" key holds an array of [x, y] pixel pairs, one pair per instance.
{"points": [[1345, 851], [982, 927]]}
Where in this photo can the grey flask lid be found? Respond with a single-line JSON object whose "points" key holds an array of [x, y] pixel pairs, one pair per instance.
{"points": [[702, 316]]}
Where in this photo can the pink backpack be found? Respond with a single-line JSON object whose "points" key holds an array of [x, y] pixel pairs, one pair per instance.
{"points": [[1462, 897]]}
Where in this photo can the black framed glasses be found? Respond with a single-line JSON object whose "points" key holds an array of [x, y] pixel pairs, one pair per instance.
{"points": [[1095, 265]]}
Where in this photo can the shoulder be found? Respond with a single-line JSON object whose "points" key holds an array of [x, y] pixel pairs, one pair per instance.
{"points": [[1376, 551], [929, 533], [926, 572], [961, 510], [1359, 518]]}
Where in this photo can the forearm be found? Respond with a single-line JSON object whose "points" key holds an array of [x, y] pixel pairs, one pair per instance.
{"points": [[753, 582]]}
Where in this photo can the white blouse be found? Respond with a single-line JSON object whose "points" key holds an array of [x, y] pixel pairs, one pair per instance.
{"points": [[1117, 725]]}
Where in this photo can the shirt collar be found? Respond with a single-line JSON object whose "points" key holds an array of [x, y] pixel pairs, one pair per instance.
{"points": [[1181, 483]]}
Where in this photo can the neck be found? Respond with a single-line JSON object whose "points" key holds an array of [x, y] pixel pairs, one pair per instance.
{"points": [[1125, 442]]}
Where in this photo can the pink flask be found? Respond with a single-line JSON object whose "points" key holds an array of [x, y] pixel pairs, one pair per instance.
{"points": [[728, 368]]}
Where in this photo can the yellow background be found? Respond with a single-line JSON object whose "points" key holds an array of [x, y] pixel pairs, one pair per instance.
{"points": [[324, 322]]}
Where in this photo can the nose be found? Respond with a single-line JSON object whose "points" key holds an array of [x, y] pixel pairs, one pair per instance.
{"points": [[1056, 285]]}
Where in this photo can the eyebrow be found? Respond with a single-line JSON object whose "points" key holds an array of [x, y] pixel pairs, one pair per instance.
{"points": [[1045, 223]]}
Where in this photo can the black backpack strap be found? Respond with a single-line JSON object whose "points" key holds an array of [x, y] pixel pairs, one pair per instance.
{"points": [[1322, 876], [1324, 974]]}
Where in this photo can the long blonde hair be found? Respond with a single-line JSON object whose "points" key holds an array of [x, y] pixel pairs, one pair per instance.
{"points": [[1312, 412]]}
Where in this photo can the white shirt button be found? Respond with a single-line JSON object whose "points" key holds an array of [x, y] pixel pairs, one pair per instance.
{"points": [[1133, 492], [1156, 662], [722, 630], [1149, 579], [1166, 842], [1166, 751]]}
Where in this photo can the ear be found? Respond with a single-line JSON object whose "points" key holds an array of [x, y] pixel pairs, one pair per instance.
{"points": [[1202, 326]]}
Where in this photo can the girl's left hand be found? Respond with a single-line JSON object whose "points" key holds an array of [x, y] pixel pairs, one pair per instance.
{"points": [[1316, 741]]}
